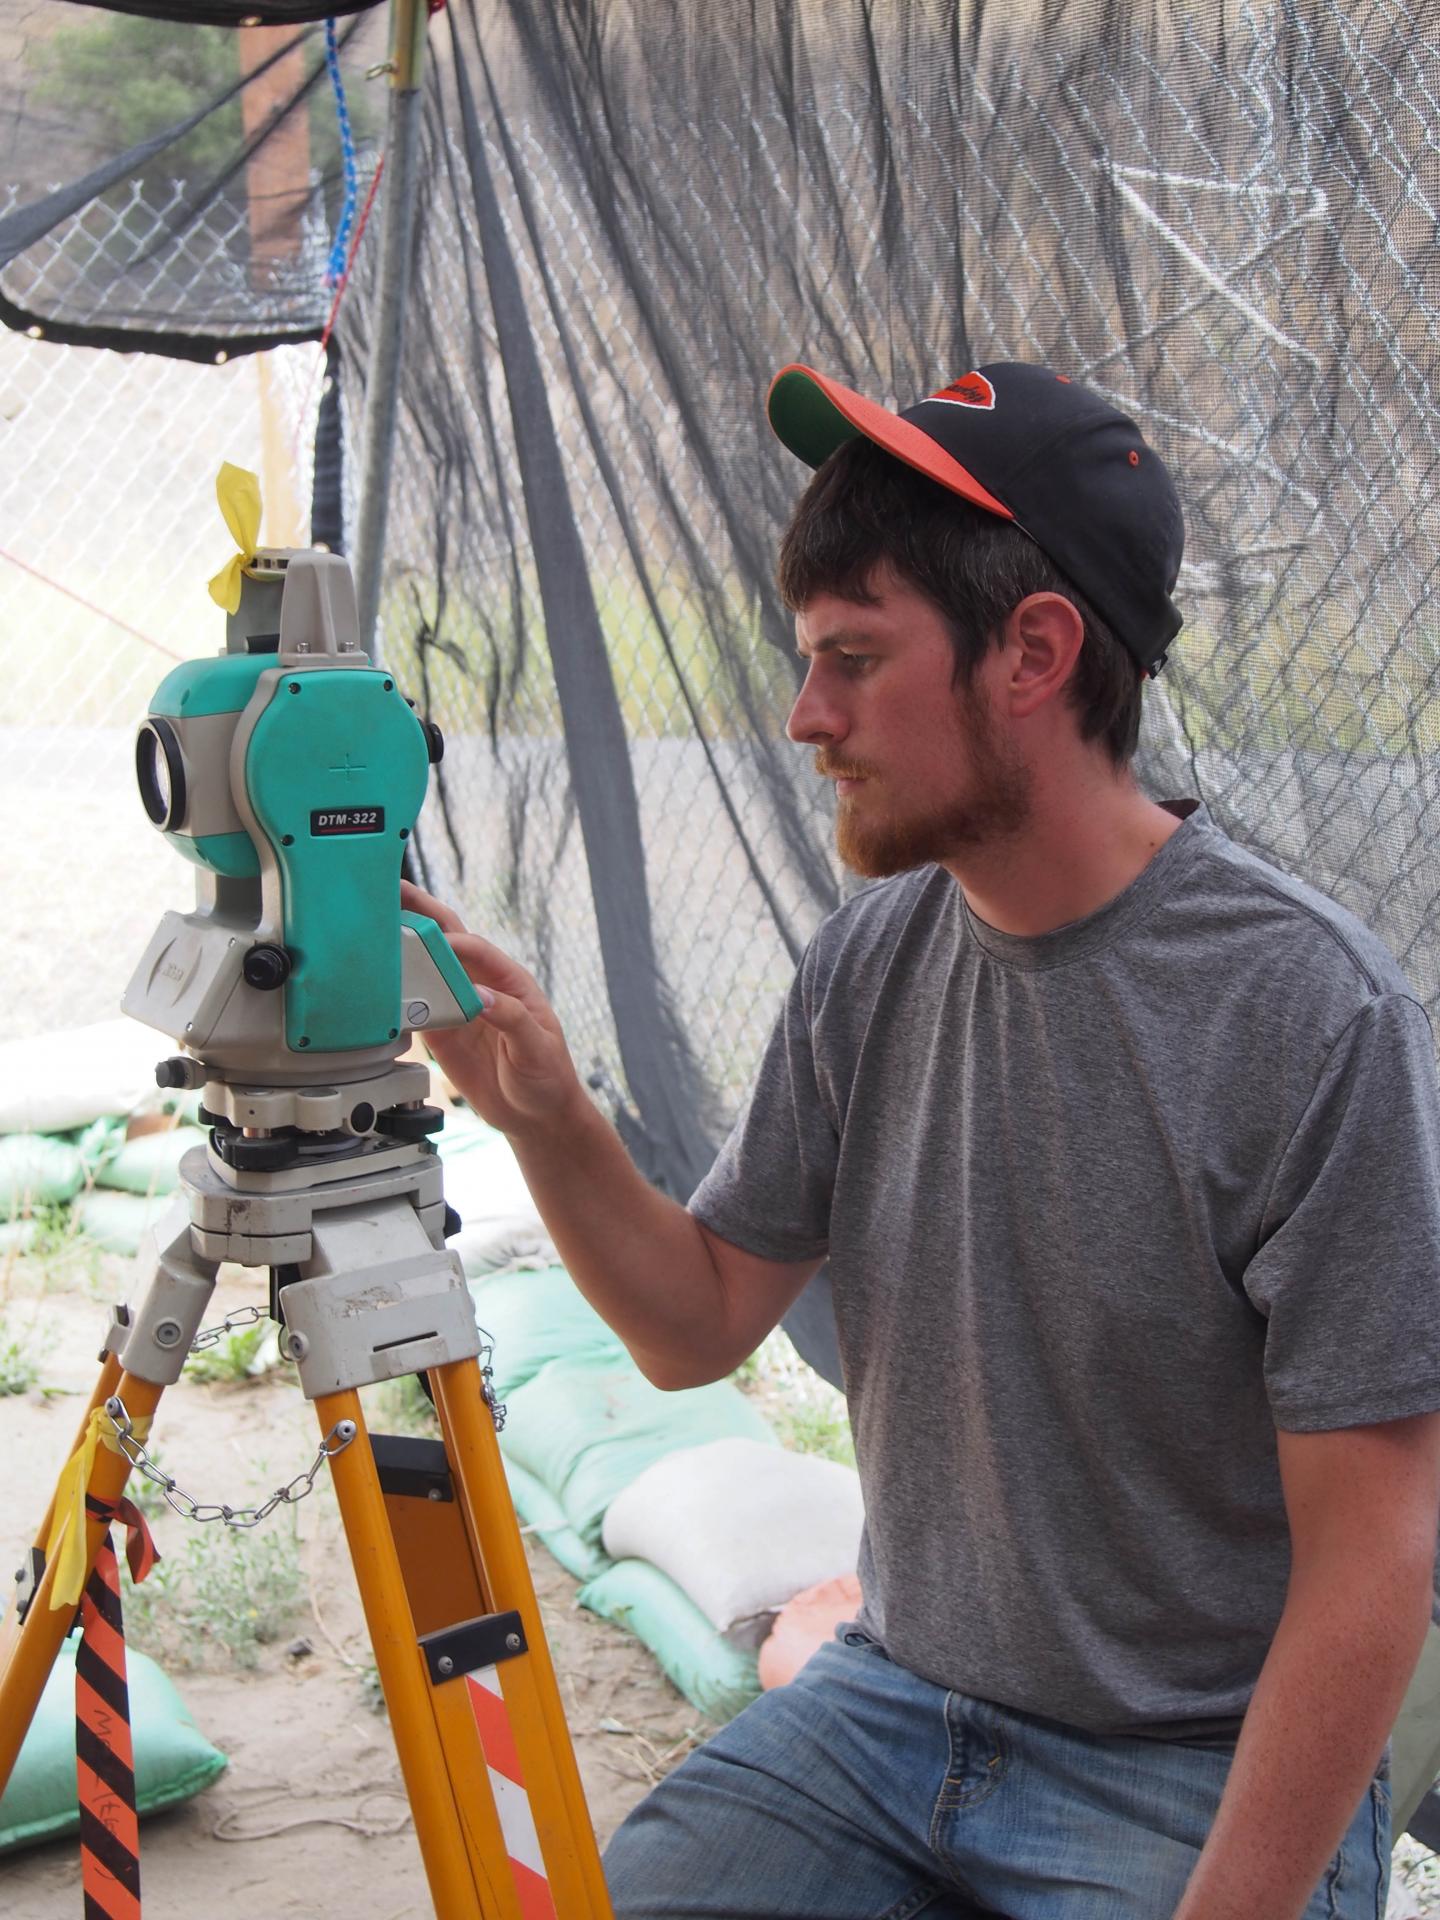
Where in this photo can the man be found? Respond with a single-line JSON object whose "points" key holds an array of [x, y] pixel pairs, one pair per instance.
{"points": [[1123, 1149]]}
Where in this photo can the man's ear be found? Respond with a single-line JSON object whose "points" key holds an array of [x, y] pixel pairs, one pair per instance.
{"points": [[1042, 638]]}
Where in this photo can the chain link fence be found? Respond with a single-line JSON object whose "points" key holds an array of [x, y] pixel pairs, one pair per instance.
{"points": [[109, 533], [1230, 234]]}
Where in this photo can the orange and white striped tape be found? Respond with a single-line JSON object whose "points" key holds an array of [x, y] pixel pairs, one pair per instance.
{"points": [[512, 1800]]}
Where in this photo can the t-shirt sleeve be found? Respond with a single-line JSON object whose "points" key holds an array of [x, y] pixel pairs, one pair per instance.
{"points": [[1347, 1274], [770, 1187]]}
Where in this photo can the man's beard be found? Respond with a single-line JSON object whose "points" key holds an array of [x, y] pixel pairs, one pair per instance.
{"points": [[995, 805]]}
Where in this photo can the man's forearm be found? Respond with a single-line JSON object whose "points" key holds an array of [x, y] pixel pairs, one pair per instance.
{"points": [[1322, 1711], [638, 1257]]}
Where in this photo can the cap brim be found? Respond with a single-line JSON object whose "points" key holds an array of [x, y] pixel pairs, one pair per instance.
{"points": [[813, 416]]}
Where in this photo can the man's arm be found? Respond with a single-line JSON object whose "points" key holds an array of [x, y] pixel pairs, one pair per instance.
{"points": [[687, 1304], [1362, 1504]]}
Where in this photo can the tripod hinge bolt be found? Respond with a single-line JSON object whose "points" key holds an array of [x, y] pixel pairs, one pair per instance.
{"points": [[168, 1333], [514, 1642], [297, 1343], [445, 1664]]}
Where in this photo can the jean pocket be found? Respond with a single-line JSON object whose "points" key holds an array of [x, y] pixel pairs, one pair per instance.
{"points": [[849, 1635]]}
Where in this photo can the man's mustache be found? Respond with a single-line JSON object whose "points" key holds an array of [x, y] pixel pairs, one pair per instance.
{"points": [[830, 767]]}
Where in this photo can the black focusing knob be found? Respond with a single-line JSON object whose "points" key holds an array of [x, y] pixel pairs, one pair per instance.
{"points": [[435, 741], [410, 1123], [453, 1223], [266, 968], [173, 1073]]}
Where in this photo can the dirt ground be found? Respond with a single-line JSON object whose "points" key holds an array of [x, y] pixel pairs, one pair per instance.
{"points": [[310, 1817]]}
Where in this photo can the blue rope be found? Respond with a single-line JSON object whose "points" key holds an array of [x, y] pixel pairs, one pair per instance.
{"points": [[335, 270]]}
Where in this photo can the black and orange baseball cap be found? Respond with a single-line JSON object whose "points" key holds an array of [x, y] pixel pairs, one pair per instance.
{"points": [[1037, 449]]}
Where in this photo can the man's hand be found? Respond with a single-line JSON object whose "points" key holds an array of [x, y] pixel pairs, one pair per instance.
{"points": [[1362, 1504], [688, 1306], [511, 1062]]}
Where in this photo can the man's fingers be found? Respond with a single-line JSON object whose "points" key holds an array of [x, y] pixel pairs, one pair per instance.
{"points": [[489, 967], [415, 900]]}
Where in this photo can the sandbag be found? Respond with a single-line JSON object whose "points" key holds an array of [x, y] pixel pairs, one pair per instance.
{"points": [[173, 1759], [740, 1528], [151, 1162], [116, 1221], [714, 1676], [540, 1512], [55, 1081], [533, 1318], [588, 1425], [804, 1624], [37, 1170], [483, 1182]]}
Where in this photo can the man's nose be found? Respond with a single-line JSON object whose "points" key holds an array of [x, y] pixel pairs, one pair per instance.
{"points": [[814, 718]]}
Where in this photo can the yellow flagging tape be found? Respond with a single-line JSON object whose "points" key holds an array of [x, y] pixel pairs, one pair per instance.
{"points": [[67, 1529], [239, 495]]}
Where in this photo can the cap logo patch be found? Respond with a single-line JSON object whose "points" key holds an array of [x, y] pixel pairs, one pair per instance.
{"points": [[970, 390]]}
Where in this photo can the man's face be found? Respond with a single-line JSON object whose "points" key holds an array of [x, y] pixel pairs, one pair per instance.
{"points": [[923, 770]]}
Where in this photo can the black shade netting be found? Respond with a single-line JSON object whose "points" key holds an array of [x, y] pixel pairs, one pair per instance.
{"points": [[1225, 223], [190, 189]]}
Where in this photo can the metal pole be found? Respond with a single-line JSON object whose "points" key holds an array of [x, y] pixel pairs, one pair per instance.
{"points": [[408, 21]]}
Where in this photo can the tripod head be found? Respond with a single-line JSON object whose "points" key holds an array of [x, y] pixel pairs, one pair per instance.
{"points": [[290, 772]]}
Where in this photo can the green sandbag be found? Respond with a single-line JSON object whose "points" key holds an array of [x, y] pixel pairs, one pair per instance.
{"points": [[173, 1759], [117, 1221], [37, 1170], [540, 1511], [150, 1163], [585, 1427], [714, 1676], [536, 1317]]}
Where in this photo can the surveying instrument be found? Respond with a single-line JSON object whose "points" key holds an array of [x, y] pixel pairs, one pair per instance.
{"points": [[290, 771]]}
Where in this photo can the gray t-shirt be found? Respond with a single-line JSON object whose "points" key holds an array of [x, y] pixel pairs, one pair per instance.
{"points": [[1102, 1209]]}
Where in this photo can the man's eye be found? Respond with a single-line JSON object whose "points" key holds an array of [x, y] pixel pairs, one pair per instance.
{"points": [[853, 662]]}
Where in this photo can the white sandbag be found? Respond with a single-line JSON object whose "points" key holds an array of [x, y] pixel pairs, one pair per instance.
{"points": [[483, 1182], [504, 1245], [58, 1081], [740, 1527]]}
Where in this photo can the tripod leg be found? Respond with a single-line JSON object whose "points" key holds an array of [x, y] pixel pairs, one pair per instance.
{"points": [[30, 1647], [144, 1353], [528, 1685], [107, 1384], [456, 1822]]}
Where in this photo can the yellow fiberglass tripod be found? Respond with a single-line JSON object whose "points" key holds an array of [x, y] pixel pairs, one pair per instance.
{"points": [[290, 771]]}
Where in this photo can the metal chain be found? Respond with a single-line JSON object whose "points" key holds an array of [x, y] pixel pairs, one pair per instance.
{"points": [[335, 1441], [241, 1317], [497, 1408]]}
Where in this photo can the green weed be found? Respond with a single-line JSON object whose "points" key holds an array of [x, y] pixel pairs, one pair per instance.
{"points": [[235, 1358], [402, 1406], [807, 1413], [815, 1426], [23, 1346], [228, 1593], [56, 1252]]}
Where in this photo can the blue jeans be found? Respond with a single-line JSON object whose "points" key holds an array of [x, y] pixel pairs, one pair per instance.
{"points": [[859, 1792]]}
